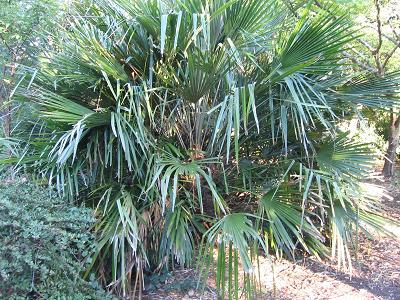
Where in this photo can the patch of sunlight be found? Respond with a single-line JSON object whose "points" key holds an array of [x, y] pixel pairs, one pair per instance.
{"points": [[379, 192]]}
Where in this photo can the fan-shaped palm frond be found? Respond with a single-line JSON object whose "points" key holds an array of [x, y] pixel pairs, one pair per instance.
{"points": [[344, 157], [286, 222], [236, 236]]}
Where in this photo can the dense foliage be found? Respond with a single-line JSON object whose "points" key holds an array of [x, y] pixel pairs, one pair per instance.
{"points": [[204, 123], [22, 24], [44, 245]]}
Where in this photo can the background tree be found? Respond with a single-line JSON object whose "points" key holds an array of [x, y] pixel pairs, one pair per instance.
{"points": [[23, 25], [378, 51]]}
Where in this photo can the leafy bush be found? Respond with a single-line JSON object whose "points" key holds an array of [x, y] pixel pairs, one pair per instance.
{"points": [[44, 243]]}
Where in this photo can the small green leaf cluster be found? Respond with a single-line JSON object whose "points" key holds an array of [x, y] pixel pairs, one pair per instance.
{"points": [[44, 245]]}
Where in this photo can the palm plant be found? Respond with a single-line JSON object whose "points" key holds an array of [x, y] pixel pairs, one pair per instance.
{"points": [[201, 123]]}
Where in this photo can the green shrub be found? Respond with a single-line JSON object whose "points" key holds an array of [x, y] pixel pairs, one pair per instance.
{"points": [[44, 245]]}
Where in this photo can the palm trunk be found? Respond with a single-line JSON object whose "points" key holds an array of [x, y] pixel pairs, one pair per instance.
{"points": [[390, 159]]}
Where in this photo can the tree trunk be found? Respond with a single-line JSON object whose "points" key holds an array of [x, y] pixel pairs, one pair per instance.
{"points": [[390, 159], [5, 106]]}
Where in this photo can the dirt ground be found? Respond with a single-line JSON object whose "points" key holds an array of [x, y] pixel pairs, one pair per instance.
{"points": [[375, 275]]}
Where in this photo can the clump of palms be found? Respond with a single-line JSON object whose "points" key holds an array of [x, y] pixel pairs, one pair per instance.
{"points": [[197, 124]]}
